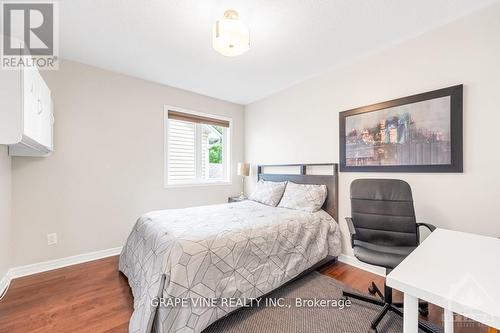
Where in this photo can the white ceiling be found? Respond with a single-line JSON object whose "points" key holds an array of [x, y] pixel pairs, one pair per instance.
{"points": [[169, 41]]}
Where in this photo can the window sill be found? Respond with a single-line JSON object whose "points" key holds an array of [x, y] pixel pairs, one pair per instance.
{"points": [[202, 184]]}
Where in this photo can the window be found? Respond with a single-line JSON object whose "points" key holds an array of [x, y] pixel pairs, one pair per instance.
{"points": [[197, 148]]}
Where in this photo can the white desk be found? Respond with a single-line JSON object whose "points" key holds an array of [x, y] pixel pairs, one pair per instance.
{"points": [[457, 271]]}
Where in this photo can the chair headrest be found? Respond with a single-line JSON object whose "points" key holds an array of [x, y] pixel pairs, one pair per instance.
{"points": [[381, 189]]}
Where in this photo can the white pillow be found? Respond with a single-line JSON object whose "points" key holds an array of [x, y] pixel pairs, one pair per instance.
{"points": [[307, 197], [268, 193]]}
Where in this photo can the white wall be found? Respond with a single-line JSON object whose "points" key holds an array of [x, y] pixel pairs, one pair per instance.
{"points": [[5, 212], [300, 124], [107, 167]]}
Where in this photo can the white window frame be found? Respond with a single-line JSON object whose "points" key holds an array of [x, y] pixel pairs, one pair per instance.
{"points": [[226, 150]]}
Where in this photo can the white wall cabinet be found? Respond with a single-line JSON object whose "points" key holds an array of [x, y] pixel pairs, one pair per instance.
{"points": [[26, 113]]}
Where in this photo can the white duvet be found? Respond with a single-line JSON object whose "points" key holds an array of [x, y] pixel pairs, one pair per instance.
{"points": [[237, 250]]}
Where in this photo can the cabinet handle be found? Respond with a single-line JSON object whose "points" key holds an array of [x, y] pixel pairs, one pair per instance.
{"points": [[40, 109]]}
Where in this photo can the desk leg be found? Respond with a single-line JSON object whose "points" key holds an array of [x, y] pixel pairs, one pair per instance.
{"points": [[410, 314], [448, 321]]}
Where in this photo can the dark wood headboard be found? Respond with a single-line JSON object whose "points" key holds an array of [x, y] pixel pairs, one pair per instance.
{"points": [[331, 205]]}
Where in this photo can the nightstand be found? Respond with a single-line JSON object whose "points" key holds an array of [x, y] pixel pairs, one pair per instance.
{"points": [[236, 199]]}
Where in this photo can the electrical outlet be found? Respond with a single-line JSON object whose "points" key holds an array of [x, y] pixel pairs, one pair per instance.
{"points": [[51, 239]]}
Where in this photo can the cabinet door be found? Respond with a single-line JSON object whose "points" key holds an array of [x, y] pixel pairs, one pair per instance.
{"points": [[45, 113], [37, 108], [30, 104]]}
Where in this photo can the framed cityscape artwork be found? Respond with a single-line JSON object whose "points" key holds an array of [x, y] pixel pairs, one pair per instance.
{"points": [[419, 133]]}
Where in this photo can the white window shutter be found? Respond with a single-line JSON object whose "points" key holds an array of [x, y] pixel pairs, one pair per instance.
{"points": [[204, 153], [181, 151]]}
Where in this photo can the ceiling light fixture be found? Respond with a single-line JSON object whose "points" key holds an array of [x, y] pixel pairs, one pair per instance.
{"points": [[230, 36]]}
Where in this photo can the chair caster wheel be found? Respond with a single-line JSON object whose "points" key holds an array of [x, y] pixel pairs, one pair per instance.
{"points": [[372, 330]]}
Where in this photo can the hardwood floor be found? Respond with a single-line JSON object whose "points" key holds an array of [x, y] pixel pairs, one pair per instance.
{"points": [[360, 280], [95, 297], [90, 297]]}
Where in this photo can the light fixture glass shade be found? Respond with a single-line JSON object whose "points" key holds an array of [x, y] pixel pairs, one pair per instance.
{"points": [[230, 36], [243, 169]]}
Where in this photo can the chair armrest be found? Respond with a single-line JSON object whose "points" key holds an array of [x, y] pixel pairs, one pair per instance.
{"points": [[428, 226], [352, 230]]}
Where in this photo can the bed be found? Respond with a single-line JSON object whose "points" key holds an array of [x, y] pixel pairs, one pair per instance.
{"points": [[187, 268]]}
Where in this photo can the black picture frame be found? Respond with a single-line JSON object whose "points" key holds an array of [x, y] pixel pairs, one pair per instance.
{"points": [[456, 133]]}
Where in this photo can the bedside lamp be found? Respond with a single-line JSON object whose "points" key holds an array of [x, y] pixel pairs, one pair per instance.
{"points": [[243, 171]]}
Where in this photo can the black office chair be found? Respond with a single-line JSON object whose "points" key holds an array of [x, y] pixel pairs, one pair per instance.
{"points": [[383, 232]]}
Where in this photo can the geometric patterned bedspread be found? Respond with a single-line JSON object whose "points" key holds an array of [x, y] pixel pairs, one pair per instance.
{"points": [[230, 251]]}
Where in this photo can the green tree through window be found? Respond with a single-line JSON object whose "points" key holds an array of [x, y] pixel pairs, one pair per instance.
{"points": [[215, 154]]}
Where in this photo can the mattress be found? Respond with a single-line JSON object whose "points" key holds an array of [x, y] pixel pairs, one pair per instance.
{"points": [[243, 250]]}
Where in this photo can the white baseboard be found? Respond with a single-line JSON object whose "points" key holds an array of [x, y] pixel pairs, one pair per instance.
{"points": [[4, 283], [45, 266], [350, 260]]}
